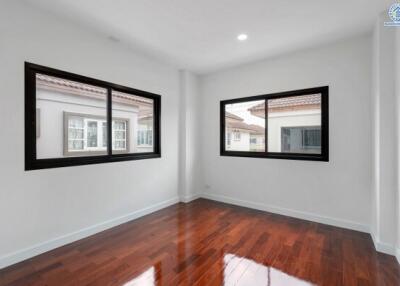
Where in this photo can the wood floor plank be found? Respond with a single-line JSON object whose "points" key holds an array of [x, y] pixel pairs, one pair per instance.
{"points": [[211, 243]]}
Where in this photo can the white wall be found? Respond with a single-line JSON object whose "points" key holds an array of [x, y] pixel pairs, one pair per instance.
{"points": [[397, 80], [385, 146], [189, 155], [337, 192], [40, 206]]}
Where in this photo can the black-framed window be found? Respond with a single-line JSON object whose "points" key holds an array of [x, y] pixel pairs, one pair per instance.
{"points": [[286, 125], [76, 120]]}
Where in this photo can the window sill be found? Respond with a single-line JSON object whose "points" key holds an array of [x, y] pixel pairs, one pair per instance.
{"points": [[287, 156], [77, 161]]}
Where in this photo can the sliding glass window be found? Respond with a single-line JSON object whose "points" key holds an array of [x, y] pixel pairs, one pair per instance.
{"points": [[288, 125], [76, 120]]}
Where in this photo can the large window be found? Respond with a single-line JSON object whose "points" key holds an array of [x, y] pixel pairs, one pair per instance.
{"points": [[75, 120], [288, 125]]}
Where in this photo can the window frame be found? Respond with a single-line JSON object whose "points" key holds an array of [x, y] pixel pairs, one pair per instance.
{"points": [[31, 161], [324, 156]]}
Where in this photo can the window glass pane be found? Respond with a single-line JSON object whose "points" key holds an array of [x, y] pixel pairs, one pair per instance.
{"points": [[92, 134], [132, 123], [294, 124], [71, 118], [245, 126]]}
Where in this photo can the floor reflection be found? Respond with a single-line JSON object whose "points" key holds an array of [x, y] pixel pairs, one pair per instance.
{"points": [[237, 271], [245, 272], [147, 278]]}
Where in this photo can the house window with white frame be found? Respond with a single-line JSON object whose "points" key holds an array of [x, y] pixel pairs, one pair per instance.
{"points": [[88, 134], [145, 137], [228, 139], [236, 135], [119, 134]]}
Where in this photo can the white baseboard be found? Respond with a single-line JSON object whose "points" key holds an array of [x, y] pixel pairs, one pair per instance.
{"points": [[398, 255], [383, 247], [188, 199], [289, 212], [37, 249]]}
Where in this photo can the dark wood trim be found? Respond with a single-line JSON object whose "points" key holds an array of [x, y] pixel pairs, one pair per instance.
{"points": [[109, 121], [324, 156], [222, 126], [325, 124], [30, 117], [266, 126], [31, 161]]}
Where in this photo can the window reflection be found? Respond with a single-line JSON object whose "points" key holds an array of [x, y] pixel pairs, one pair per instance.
{"points": [[237, 271], [243, 271], [147, 278]]}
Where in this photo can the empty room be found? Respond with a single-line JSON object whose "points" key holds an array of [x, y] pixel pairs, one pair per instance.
{"points": [[183, 142]]}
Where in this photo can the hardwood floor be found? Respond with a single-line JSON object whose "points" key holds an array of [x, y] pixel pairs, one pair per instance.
{"points": [[210, 243]]}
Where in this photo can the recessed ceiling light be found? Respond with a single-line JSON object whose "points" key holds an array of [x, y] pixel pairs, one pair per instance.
{"points": [[242, 37]]}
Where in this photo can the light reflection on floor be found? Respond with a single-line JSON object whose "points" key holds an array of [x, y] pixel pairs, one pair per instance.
{"points": [[245, 272], [237, 271], [147, 278]]}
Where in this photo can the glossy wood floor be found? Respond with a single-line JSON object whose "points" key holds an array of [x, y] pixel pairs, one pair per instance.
{"points": [[209, 243]]}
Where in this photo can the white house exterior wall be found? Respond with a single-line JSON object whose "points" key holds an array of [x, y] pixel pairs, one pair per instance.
{"points": [[260, 142], [289, 119], [239, 145]]}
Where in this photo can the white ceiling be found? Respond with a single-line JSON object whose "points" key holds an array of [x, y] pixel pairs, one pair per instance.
{"points": [[200, 35]]}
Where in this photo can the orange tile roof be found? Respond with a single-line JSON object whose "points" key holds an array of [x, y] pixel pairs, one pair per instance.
{"points": [[82, 89], [286, 102], [236, 122]]}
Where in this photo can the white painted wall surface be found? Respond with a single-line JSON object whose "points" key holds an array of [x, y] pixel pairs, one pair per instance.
{"points": [[385, 147], [375, 113], [43, 205], [397, 86], [337, 192], [189, 139]]}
